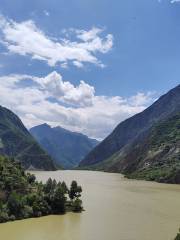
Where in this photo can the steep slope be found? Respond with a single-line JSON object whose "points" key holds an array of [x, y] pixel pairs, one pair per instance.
{"points": [[66, 147], [131, 129], [157, 157], [154, 155], [17, 142]]}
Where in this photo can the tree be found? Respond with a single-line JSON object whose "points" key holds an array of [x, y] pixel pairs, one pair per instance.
{"points": [[21, 196], [31, 178], [58, 201], [40, 206], [64, 187], [75, 190], [48, 186], [15, 204]]}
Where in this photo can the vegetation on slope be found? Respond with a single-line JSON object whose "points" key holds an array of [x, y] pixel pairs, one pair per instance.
{"points": [[130, 129], [21, 196], [17, 142], [159, 158], [154, 156], [65, 147]]}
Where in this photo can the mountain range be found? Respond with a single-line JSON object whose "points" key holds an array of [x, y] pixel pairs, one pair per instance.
{"points": [[65, 147], [17, 142], [146, 145]]}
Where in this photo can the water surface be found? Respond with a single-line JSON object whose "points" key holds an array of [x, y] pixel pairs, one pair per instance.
{"points": [[116, 209]]}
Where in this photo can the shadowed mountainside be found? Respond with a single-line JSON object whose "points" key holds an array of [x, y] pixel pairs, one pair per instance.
{"points": [[129, 148], [17, 142], [65, 147]]}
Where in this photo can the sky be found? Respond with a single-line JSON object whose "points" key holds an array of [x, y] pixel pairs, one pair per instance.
{"points": [[87, 65]]}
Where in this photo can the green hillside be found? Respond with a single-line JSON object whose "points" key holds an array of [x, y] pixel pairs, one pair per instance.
{"points": [[153, 156], [160, 153], [132, 128], [16, 141]]}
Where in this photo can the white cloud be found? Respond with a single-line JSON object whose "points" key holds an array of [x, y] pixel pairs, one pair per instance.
{"points": [[86, 36], [78, 64], [141, 98], [25, 38], [77, 108], [54, 86]]}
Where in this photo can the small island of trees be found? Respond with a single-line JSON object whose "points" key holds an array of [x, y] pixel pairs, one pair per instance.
{"points": [[21, 196]]}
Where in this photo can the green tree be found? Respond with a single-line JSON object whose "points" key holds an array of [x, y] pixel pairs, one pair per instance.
{"points": [[48, 186], [77, 205], [15, 204], [31, 178], [75, 190], [58, 201], [64, 187], [21, 196]]}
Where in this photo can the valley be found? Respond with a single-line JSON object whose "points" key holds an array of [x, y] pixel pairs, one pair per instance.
{"points": [[115, 208]]}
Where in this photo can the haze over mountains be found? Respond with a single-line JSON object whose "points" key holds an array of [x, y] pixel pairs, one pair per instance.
{"points": [[17, 142], [131, 147], [65, 147], [145, 146]]}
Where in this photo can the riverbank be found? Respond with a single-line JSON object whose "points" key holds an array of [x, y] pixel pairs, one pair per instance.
{"points": [[116, 208], [21, 196]]}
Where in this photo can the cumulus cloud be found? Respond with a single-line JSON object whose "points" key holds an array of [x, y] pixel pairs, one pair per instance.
{"points": [[25, 38], [52, 100], [64, 91]]}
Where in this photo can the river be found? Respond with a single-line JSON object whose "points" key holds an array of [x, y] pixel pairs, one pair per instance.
{"points": [[115, 209]]}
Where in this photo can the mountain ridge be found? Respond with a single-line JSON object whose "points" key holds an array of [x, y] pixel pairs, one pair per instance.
{"points": [[65, 147], [130, 128], [123, 150], [17, 142]]}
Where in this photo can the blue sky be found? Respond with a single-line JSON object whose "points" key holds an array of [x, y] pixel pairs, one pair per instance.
{"points": [[126, 52]]}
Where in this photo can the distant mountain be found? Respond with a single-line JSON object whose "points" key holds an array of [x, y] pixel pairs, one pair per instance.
{"points": [[66, 148], [17, 142], [129, 147]]}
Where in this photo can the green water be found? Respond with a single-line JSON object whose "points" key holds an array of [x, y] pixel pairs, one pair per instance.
{"points": [[116, 209]]}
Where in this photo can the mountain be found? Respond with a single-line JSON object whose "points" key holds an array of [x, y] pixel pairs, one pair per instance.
{"points": [[126, 149], [65, 147], [17, 142], [157, 155]]}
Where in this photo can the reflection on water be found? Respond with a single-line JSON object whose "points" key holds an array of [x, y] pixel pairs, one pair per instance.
{"points": [[116, 208]]}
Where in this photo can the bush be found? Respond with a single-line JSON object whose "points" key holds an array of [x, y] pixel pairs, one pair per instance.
{"points": [[4, 217], [77, 205]]}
